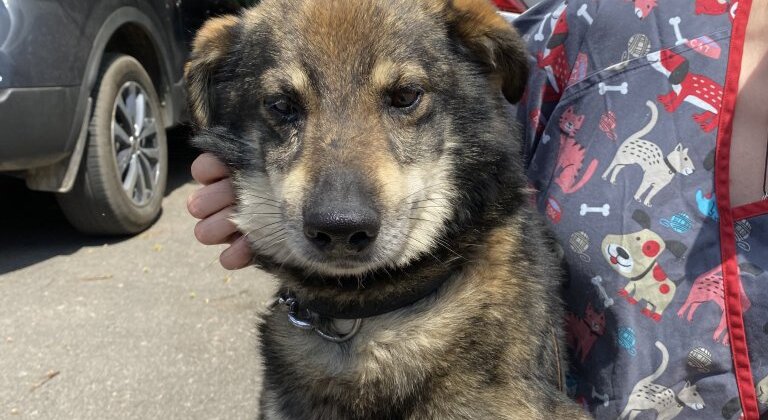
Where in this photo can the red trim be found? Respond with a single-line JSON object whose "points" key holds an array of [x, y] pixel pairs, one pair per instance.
{"points": [[746, 211], [731, 279]]}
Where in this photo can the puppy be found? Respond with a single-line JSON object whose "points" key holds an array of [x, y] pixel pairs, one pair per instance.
{"points": [[378, 177], [635, 256]]}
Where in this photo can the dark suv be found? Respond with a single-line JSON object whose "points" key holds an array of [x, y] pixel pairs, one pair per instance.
{"points": [[87, 90]]}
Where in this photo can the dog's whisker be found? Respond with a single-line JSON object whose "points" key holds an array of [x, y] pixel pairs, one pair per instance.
{"points": [[250, 194], [276, 242], [429, 199], [423, 189], [271, 235], [441, 242], [262, 227], [264, 204], [426, 249], [427, 207], [290, 255]]}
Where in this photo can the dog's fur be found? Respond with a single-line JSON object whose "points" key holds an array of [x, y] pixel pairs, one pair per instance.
{"points": [[444, 176]]}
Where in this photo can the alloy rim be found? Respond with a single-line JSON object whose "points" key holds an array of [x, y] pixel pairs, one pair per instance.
{"points": [[136, 146]]}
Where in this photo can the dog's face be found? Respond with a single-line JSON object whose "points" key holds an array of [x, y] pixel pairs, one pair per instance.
{"points": [[350, 125], [632, 254]]}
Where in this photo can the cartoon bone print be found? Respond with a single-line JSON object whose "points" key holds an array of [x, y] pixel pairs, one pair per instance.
{"points": [[539, 36], [604, 398], [550, 18], [603, 88], [695, 89], [607, 300], [709, 287], [585, 209], [647, 395], [584, 14], [675, 22], [658, 170], [635, 256]]}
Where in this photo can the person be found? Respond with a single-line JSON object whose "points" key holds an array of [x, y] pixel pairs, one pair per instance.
{"points": [[645, 129]]}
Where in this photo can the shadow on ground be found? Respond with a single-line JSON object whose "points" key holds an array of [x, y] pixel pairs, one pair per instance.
{"points": [[33, 228]]}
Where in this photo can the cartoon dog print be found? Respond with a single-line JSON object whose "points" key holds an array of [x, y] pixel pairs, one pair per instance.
{"points": [[709, 287], [693, 88], [635, 256], [658, 170]]}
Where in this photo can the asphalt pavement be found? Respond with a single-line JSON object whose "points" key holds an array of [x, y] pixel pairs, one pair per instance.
{"points": [[142, 327]]}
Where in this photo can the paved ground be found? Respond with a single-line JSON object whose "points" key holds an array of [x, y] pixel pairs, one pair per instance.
{"points": [[148, 327]]}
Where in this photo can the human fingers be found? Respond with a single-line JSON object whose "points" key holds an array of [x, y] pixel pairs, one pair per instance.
{"points": [[211, 199], [238, 255], [207, 169], [217, 228]]}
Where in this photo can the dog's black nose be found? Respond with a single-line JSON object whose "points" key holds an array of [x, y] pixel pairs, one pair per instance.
{"points": [[622, 253], [340, 218], [344, 230]]}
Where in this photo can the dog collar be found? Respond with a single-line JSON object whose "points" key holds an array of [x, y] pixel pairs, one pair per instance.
{"points": [[318, 315], [644, 273], [306, 319], [387, 303], [669, 165]]}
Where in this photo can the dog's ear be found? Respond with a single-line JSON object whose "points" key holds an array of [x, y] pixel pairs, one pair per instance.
{"points": [[678, 75], [492, 40], [642, 219], [677, 248], [211, 45]]}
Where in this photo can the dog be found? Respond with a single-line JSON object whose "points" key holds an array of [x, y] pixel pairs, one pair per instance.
{"points": [[696, 89], [377, 177], [635, 256]]}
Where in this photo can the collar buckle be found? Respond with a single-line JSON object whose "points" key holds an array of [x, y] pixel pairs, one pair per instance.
{"points": [[306, 319]]}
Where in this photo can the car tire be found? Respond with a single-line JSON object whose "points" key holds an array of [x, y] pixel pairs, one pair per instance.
{"points": [[122, 177]]}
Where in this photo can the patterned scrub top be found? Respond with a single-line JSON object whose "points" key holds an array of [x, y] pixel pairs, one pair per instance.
{"points": [[627, 127]]}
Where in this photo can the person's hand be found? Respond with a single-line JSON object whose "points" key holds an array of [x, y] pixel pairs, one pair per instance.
{"points": [[213, 204]]}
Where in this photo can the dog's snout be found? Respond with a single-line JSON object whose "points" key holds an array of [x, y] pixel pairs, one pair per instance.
{"points": [[622, 253], [345, 229], [340, 218]]}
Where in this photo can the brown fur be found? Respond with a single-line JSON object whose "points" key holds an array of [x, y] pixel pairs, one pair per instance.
{"points": [[444, 178], [210, 45]]}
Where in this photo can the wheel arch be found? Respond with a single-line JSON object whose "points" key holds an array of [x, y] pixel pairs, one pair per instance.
{"points": [[129, 31]]}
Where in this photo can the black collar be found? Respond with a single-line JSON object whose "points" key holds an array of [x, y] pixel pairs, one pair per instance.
{"points": [[644, 273], [669, 165], [319, 315], [332, 309], [680, 402]]}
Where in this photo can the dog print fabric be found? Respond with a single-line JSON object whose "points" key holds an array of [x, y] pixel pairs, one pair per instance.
{"points": [[632, 92]]}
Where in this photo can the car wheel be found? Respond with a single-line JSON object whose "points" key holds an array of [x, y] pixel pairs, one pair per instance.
{"points": [[121, 180]]}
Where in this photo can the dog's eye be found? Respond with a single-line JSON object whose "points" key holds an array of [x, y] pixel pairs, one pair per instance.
{"points": [[405, 97], [283, 107]]}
